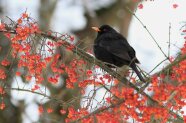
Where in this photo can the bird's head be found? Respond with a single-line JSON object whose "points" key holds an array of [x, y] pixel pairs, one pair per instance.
{"points": [[103, 29]]}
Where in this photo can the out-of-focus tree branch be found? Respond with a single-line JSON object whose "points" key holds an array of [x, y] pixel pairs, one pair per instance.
{"points": [[46, 12]]}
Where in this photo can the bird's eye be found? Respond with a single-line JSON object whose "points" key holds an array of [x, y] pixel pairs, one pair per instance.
{"points": [[104, 30]]}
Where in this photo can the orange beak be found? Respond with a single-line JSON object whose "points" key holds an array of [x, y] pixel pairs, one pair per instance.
{"points": [[96, 29]]}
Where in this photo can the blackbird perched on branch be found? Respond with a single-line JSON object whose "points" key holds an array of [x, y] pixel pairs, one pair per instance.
{"points": [[111, 47]]}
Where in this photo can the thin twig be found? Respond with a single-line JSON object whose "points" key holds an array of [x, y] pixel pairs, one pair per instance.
{"points": [[157, 66], [147, 31], [98, 111]]}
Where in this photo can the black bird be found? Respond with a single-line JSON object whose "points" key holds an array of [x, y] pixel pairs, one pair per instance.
{"points": [[111, 47]]}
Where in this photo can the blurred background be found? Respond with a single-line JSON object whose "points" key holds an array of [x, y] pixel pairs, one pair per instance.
{"points": [[163, 18]]}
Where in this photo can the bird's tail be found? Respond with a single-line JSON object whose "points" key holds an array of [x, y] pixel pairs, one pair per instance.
{"points": [[133, 66]]}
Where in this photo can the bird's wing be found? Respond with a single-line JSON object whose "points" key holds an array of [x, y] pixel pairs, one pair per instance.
{"points": [[118, 46]]}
